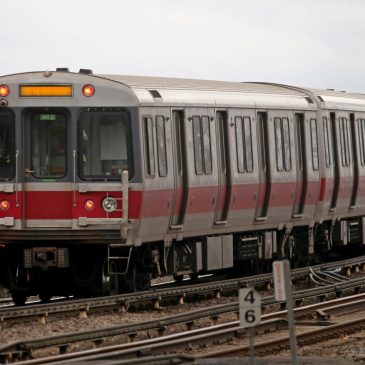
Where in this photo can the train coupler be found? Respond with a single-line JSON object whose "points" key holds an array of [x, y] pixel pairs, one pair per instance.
{"points": [[45, 257]]}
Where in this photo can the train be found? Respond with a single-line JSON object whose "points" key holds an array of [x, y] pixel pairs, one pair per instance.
{"points": [[109, 181]]}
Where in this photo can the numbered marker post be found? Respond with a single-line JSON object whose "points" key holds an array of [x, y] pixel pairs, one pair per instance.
{"points": [[250, 314], [250, 307]]}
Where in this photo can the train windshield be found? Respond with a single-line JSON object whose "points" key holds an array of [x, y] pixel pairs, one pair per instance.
{"points": [[104, 144], [7, 147]]}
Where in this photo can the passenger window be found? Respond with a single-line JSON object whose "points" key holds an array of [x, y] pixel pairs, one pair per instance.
{"points": [[150, 151], [206, 145], [282, 142], [161, 145], [279, 144], [244, 144], [347, 142], [314, 142], [344, 139], [326, 142], [361, 134], [198, 150], [286, 138], [248, 144], [239, 143], [202, 145]]}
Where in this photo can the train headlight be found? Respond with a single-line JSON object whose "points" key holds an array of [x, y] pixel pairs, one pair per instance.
{"points": [[4, 205], [89, 205], [109, 204], [4, 90], [88, 90]]}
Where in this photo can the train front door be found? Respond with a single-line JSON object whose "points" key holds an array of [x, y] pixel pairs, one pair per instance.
{"points": [[47, 183]]}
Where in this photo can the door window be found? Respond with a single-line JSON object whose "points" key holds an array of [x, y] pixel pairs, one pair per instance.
{"points": [[7, 147], [48, 145]]}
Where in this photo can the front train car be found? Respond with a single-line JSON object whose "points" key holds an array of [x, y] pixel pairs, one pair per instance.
{"points": [[67, 140]]}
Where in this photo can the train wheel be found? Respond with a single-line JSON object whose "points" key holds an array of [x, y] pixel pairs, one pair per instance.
{"points": [[109, 282], [179, 278], [19, 298], [45, 297], [194, 277], [136, 281]]}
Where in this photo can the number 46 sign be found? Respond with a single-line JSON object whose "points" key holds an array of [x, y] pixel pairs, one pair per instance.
{"points": [[250, 307]]}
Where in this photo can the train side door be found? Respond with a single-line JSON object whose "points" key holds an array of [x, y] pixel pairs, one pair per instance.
{"points": [[224, 180], [344, 170], [264, 166], [158, 191], [202, 175], [47, 175], [356, 162], [180, 178], [302, 183], [358, 194], [336, 171], [327, 178]]}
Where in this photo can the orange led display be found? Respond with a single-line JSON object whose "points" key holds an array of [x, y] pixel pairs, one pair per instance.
{"points": [[45, 90]]}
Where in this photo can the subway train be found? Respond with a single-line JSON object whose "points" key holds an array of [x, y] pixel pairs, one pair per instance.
{"points": [[109, 181]]}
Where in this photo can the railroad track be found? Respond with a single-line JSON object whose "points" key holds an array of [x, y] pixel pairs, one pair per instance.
{"points": [[159, 296], [25, 349]]}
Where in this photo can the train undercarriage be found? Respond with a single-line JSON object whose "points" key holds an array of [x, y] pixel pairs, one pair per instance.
{"points": [[84, 270]]}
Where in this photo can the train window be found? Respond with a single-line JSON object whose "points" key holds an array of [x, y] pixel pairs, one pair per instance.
{"points": [[48, 145], [222, 125], [279, 144], [361, 134], [342, 141], [314, 142], [150, 150], [244, 144], [198, 149], [282, 142], [202, 145], [206, 145], [345, 143], [327, 151], [286, 140], [7, 147], [239, 143], [104, 145], [161, 145], [248, 144]]}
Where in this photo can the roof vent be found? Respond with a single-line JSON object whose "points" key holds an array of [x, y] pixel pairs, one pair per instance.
{"points": [[155, 94], [62, 69], [310, 101], [330, 89], [85, 71], [320, 98]]}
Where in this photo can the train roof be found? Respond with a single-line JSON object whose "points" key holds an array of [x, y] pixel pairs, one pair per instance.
{"points": [[163, 91], [191, 91]]}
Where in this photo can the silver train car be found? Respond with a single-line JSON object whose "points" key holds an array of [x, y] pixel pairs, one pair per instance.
{"points": [[108, 181]]}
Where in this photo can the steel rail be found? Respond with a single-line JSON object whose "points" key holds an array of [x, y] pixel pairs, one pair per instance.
{"points": [[306, 338], [156, 295], [181, 341], [24, 348]]}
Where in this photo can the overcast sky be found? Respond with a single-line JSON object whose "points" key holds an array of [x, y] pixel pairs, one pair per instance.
{"points": [[317, 43]]}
